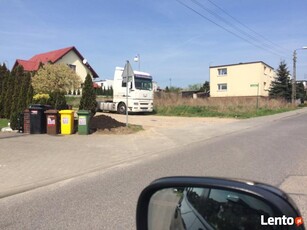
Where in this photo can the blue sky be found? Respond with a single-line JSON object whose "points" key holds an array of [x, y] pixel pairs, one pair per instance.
{"points": [[172, 40]]}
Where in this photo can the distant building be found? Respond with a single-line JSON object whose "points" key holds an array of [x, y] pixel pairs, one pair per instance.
{"points": [[105, 84], [70, 56], [237, 80], [194, 94]]}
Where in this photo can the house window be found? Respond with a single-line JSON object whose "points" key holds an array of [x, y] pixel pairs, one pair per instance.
{"points": [[73, 67], [264, 70], [222, 87], [222, 72]]}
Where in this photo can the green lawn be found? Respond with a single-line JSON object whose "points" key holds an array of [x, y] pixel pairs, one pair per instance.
{"points": [[213, 111], [3, 123]]}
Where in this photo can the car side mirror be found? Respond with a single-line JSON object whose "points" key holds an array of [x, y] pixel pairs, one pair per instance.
{"points": [[215, 203]]}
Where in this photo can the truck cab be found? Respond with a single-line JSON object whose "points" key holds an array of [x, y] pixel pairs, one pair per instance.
{"points": [[140, 93]]}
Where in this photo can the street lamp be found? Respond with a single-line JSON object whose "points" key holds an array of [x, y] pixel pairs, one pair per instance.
{"points": [[294, 74], [137, 58]]}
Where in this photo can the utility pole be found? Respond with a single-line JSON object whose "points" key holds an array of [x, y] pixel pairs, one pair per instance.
{"points": [[294, 78], [170, 83]]}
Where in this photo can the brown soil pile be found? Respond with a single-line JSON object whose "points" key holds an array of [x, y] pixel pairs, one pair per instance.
{"points": [[103, 122]]}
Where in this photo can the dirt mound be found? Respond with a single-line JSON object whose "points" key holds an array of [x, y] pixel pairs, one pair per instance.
{"points": [[102, 122]]}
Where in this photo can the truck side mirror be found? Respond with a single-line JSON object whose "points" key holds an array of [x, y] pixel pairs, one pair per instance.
{"points": [[215, 203], [130, 85]]}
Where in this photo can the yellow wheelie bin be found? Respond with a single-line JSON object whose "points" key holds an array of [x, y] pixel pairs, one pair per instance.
{"points": [[67, 121]]}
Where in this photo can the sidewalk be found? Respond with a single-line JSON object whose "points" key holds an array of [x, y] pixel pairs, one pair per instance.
{"points": [[31, 161]]}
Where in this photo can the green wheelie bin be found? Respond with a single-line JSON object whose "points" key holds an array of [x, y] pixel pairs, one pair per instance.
{"points": [[84, 122]]}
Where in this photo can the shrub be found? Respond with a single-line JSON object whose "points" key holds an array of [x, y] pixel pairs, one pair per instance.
{"points": [[41, 98], [57, 100], [14, 122]]}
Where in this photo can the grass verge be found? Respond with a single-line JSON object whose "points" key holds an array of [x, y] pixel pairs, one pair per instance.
{"points": [[198, 111], [135, 128], [3, 123], [174, 105]]}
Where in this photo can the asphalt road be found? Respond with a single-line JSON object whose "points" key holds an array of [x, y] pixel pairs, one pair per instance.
{"points": [[273, 152]]}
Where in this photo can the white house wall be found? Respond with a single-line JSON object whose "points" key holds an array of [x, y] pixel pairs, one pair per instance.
{"points": [[72, 58]]}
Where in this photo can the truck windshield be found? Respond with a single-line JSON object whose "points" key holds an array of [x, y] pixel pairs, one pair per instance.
{"points": [[143, 83]]}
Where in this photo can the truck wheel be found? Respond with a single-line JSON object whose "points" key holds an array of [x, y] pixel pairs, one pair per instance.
{"points": [[121, 108]]}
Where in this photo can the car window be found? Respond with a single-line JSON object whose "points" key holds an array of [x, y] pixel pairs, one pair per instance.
{"points": [[228, 210]]}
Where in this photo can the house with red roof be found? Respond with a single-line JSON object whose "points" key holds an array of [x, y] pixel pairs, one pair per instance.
{"points": [[70, 56]]}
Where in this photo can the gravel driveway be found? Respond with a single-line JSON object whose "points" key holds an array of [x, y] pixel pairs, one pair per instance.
{"points": [[153, 121]]}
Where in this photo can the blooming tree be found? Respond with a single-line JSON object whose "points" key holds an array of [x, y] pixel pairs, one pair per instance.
{"points": [[55, 77]]}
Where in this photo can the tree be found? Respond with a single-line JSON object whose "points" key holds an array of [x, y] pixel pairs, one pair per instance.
{"points": [[103, 91], [108, 91], [172, 89], [9, 90], [30, 93], [99, 91], [14, 121], [4, 76], [111, 91], [18, 98], [14, 98], [206, 87], [195, 87], [55, 77], [23, 102], [300, 92], [88, 98], [281, 86], [17, 93]]}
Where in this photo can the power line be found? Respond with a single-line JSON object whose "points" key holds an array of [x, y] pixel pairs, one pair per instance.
{"points": [[232, 25], [255, 32], [229, 31]]}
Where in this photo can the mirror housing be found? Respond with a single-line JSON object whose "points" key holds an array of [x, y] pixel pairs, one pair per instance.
{"points": [[266, 195], [130, 85]]}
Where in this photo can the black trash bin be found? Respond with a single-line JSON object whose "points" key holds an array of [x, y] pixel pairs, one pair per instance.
{"points": [[38, 118]]}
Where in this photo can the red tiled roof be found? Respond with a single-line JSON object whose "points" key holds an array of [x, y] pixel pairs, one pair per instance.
{"points": [[95, 85], [53, 56], [28, 65]]}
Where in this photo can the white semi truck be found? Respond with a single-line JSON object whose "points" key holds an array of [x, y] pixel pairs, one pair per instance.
{"points": [[140, 93]]}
